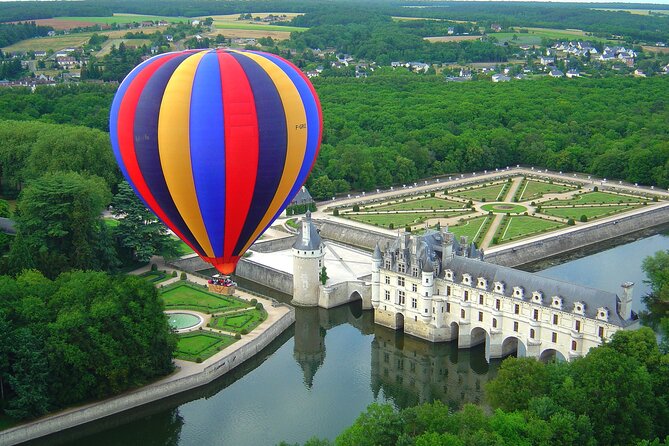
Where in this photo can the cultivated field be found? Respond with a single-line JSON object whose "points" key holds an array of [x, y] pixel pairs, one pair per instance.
{"points": [[451, 38], [56, 43]]}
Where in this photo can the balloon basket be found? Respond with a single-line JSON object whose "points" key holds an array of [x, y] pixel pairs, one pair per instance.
{"points": [[221, 284]]}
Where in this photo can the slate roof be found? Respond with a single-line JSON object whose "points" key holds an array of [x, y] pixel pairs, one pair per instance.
{"points": [[302, 197], [308, 239], [569, 292]]}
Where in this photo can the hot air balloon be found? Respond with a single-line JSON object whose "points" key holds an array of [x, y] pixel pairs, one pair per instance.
{"points": [[216, 143]]}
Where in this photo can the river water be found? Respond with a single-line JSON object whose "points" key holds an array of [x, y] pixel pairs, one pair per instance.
{"points": [[320, 374]]}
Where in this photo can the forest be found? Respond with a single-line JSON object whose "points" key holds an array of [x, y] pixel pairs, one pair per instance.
{"points": [[13, 32]]}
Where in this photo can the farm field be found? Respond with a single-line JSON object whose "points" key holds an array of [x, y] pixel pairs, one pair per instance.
{"points": [[524, 226], [534, 35], [422, 203], [192, 297], [483, 193], [257, 26], [200, 346], [635, 11], [470, 228], [589, 211], [537, 189], [70, 40], [123, 18], [107, 46], [595, 198], [451, 38]]}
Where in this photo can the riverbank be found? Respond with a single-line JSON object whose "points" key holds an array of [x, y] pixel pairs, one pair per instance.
{"points": [[187, 376]]}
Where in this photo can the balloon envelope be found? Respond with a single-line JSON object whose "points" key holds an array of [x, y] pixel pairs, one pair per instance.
{"points": [[216, 143]]}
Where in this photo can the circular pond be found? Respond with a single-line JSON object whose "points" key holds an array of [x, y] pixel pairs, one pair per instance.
{"points": [[183, 321], [504, 208]]}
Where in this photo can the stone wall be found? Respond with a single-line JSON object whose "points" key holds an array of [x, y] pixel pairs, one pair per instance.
{"points": [[277, 244], [351, 235], [580, 237], [214, 368], [264, 275]]}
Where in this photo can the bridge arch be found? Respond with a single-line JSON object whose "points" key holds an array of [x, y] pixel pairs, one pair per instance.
{"points": [[455, 331], [399, 321], [513, 345], [480, 335], [551, 354], [355, 300]]}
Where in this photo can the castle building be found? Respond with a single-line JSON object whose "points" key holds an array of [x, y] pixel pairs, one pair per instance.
{"points": [[308, 256], [436, 288]]}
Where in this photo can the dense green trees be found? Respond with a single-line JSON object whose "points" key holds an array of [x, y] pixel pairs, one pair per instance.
{"points": [[656, 268], [13, 32], [84, 335]]}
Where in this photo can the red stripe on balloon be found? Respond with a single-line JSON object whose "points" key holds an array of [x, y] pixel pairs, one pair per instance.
{"points": [[126, 141], [241, 149]]}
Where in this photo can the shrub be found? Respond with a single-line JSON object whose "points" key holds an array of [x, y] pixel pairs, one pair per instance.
{"points": [[407, 228], [571, 222], [533, 204], [495, 240], [356, 208], [595, 189], [259, 306], [525, 213], [174, 273], [335, 212], [391, 226], [254, 301], [238, 336], [154, 267], [655, 199], [483, 199], [244, 331], [432, 194], [183, 276], [198, 360], [583, 218]]}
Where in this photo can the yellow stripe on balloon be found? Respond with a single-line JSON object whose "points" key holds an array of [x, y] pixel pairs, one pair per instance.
{"points": [[296, 125], [174, 147]]}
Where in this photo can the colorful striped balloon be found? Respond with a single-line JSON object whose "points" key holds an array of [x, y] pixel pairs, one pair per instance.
{"points": [[216, 143]]}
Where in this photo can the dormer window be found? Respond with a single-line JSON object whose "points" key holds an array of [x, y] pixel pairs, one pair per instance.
{"points": [[537, 297], [518, 292], [466, 279], [482, 283], [556, 302], [602, 314], [414, 271], [448, 274], [579, 308], [386, 264], [499, 287]]}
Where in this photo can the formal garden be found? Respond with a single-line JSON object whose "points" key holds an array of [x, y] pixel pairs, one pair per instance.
{"points": [[494, 212], [200, 345]]}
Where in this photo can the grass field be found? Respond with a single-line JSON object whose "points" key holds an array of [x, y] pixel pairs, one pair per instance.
{"points": [[636, 11], [400, 220], [124, 18], [156, 276], [247, 320], [470, 228], [183, 248], [451, 38], [534, 35], [595, 198], [110, 222], [523, 226], [191, 297], [258, 26], [421, 204], [484, 193], [107, 46], [66, 41], [537, 189], [192, 346], [589, 211], [504, 208]]}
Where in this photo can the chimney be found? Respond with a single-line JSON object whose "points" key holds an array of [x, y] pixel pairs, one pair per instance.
{"points": [[625, 309]]}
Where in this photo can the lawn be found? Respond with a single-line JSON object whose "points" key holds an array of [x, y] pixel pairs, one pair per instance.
{"points": [[400, 220], [534, 35], [523, 226], [504, 208], [470, 228], [247, 320], [588, 211], [258, 26], [537, 189], [183, 249], [186, 296], [156, 276], [596, 198], [421, 204], [483, 193], [124, 18], [110, 222], [200, 345]]}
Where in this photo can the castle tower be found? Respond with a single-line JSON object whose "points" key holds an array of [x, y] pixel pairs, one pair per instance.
{"points": [[426, 291], [307, 262], [377, 258], [625, 309]]}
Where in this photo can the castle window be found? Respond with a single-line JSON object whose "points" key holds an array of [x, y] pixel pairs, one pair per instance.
{"points": [[602, 314], [600, 332], [466, 296], [481, 299], [532, 333], [482, 283], [498, 304], [414, 303], [414, 271], [448, 307], [388, 280], [415, 318], [554, 337], [536, 315], [320, 263], [499, 287], [573, 345], [401, 268], [427, 281], [386, 264], [515, 326], [578, 326], [466, 279], [537, 297], [414, 287], [516, 309], [494, 323], [401, 296], [400, 281], [448, 290], [480, 316], [556, 302], [387, 295], [518, 292], [448, 274], [579, 307], [555, 319], [462, 314]]}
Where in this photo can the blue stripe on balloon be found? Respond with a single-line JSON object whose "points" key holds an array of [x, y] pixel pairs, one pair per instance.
{"points": [[146, 143], [207, 148], [313, 123], [113, 115], [272, 142]]}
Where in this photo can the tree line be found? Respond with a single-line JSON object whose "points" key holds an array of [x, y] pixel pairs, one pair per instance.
{"points": [[616, 395], [11, 33]]}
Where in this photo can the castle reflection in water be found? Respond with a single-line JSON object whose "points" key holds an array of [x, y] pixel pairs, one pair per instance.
{"points": [[404, 369]]}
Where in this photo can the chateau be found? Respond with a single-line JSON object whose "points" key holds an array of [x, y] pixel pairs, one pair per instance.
{"points": [[436, 288]]}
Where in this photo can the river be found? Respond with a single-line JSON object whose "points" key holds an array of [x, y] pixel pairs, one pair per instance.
{"points": [[319, 375]]}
